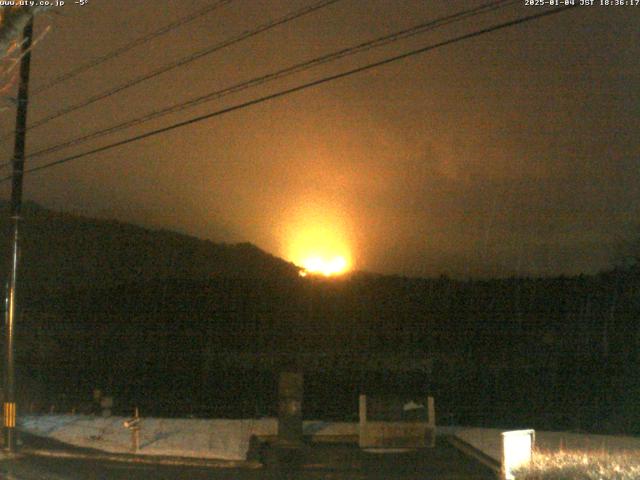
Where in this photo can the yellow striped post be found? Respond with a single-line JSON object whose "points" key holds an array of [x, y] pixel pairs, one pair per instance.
{"points": [[9, 413]]}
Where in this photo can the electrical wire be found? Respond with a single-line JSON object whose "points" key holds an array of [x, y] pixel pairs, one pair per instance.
{"points": [[301, 87], [131, 45], [183, 61], [300, 67]]}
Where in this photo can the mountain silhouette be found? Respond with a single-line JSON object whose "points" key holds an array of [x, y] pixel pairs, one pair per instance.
{"points": [[61, 251]]}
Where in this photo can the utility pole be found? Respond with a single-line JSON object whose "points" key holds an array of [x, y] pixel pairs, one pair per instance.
{"points": [[9, 407]]}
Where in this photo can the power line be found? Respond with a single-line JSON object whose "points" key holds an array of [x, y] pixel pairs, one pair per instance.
{"points": [[183, 61], [131, 45], [298, 88], [378, 42], [282, 73]]}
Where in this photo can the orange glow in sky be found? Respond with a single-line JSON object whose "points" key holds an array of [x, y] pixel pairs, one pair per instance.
{"points": [[325, 266], [319, 246]]}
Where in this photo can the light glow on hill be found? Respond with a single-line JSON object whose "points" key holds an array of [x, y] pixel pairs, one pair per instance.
{"points": [[324, 266], [319, 248]]}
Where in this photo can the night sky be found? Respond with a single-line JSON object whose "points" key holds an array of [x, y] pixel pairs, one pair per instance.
{"points": [[512, 153]]}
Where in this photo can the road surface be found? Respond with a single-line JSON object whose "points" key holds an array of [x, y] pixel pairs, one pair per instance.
{"points": [[319, 462]]}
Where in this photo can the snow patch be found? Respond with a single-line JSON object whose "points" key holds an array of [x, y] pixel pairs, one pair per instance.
{"points": [[199, 438], [218, 439]]}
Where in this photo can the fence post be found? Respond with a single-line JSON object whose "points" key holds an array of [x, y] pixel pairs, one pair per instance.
{"points": [[431, 420], [136, 431], [362, 407], [133, 424]]}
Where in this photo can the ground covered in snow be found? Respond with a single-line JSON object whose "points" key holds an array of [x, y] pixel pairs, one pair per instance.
{"points": [[229, 439], [201, 438], [489, 442]]}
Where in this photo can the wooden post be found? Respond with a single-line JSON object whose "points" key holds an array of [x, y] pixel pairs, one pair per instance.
{"points": [[363, 418], [135, 439], [133, 424], [363, 409], [431, 420], [136, 431]]}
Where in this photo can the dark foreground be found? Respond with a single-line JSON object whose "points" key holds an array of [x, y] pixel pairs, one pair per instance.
{"points": [[320, 462]]}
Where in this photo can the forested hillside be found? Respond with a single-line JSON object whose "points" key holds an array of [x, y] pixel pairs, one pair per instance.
{"points": [[189, 326], [60, 251]]}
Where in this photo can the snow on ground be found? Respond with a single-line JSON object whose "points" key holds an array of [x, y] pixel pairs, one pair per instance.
{"points": [[201, 438], [229, 439], [489, 441]]}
